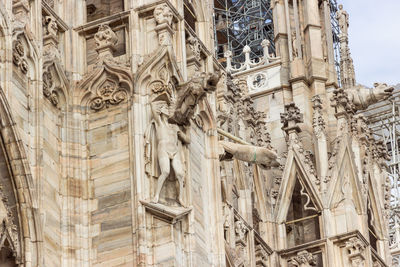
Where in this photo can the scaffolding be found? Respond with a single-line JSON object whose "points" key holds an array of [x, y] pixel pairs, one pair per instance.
{"points": [[333, 5], [384, 121], [238, 23]]}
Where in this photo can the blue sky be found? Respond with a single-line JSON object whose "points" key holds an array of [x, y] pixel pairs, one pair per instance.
{"points": [[374, 39]]}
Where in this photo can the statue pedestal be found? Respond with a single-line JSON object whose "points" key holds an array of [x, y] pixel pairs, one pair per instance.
{"points": [[165, 213]]}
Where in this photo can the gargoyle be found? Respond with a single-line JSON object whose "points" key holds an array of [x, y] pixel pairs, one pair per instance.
{"points": [[363, 97], [262, 156], [191, 93]]}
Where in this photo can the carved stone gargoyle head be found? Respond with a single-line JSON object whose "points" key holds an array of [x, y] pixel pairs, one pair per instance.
{"points": [[382, 90], [191, 93]]}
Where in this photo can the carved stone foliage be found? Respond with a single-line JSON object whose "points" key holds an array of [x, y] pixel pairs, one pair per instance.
{"points": [[318, 120], [20, 56], [235, 105], [341, 102], [108, 93], [303, 259], [291, 117], [49, 88], [110, 81]]}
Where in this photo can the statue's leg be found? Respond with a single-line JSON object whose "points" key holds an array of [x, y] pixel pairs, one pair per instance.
{"points": [[180, 175], [164, 163]]}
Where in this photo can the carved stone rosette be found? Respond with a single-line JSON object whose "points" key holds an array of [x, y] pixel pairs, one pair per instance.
{"points": [[109, 93]]}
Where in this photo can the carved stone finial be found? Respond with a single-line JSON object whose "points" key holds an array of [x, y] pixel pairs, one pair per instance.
{"points": [[341, 102], [304, 259], [291, 117], [106, 40]]}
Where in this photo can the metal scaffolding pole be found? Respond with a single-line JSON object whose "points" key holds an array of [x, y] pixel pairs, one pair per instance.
{"points": [[238, 23]]}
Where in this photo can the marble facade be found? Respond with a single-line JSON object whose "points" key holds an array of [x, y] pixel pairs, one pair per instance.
{"points": [[125, 142]]}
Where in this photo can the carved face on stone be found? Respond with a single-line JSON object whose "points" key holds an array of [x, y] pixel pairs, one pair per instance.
{"points": [[163, 14]]}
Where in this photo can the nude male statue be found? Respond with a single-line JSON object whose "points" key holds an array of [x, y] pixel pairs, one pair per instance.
{"points": [[168, 136]]}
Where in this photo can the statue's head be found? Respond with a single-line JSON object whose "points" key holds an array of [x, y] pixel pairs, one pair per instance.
{"points": [[341, 7], [382, 91], [162, 107]]}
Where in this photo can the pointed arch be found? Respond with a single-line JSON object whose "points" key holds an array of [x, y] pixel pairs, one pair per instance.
{"points": [[28, 234], [344, 171]]}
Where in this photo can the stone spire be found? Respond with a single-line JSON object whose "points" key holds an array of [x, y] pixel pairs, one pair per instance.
{"points": [[347, 74]]}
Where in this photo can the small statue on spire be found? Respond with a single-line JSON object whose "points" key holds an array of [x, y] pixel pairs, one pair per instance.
{"points": [[343, 18]]}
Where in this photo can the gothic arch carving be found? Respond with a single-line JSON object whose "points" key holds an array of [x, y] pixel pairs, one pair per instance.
{"points": [[107, 85], [295, 170], [25, 54], [343, 171], [55, 84], [157, 73], [27, 222]]}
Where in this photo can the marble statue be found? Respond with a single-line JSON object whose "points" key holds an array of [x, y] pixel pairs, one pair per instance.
{"points": [[363, 97], [343, 18], [265, 157], [168, 137]]}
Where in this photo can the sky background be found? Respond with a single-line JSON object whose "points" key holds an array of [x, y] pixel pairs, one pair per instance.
{"points": [[374, 39]]}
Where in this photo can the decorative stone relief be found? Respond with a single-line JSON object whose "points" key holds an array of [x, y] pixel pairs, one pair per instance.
{"points": [[355, 248], [190, 94], [19, 56], [106, 40], [194, 46], [48, 88], [318, 120], [50, 25], [303, 259], [108, 93], [291, 117], [241, 243], [50, 39], [163, 16]]}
